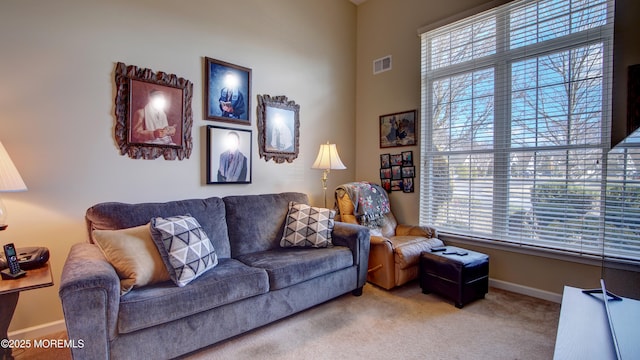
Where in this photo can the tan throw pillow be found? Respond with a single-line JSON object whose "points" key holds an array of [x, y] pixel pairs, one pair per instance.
{"points": [[134, 256]]}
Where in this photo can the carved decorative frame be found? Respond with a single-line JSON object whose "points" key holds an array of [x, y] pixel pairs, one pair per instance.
{"points": [[278, 128], [132, 86]]}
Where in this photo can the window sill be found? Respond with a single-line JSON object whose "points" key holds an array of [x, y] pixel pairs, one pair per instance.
{"points": [[585, 259]]}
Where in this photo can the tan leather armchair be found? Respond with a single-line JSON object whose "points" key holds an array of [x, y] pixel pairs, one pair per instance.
{"points": [[395, 248]]}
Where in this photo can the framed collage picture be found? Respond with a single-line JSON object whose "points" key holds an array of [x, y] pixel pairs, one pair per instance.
{"points": [[397, 172]]}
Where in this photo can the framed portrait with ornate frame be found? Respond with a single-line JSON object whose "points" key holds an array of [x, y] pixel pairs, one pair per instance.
{"points": [[278, 128], [153, 113], [228, 155], [227, 95]]}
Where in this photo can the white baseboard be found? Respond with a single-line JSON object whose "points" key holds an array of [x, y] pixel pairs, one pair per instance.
{"points": [[38, 331], [525, 290]]}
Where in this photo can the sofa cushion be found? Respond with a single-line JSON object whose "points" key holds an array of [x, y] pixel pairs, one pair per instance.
{"points": [[164, 302], [256, 222], [210, 213], [308, 226], [289, 266], [184, 247], [133, 255]]}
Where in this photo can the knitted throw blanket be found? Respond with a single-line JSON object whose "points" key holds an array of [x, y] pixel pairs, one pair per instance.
{"points": [[370, 202]]}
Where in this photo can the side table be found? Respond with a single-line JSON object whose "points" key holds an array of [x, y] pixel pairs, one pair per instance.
{"points": [[9, 292]]}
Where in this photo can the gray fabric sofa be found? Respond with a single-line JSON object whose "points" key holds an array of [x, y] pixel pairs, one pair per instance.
{"points": [[255, 282]]}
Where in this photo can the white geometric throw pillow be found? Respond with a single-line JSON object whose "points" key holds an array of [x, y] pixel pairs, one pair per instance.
{"points": [[184, 247], [308, 226]]}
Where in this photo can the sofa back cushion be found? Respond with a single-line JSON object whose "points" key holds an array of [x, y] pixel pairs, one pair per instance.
{"points": [[256, 222], [210, 213]]}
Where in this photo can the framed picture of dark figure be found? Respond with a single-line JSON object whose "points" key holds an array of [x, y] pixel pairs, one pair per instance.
{"points": [[227, 92], [398, 129], [153, 113], [228, 155]]}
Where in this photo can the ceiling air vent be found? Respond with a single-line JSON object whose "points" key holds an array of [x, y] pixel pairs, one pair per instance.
{"points": [[381, 65]]}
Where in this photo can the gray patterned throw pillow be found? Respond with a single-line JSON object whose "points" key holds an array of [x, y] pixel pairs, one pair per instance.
{"points": [[184, 247], [308, 226]]}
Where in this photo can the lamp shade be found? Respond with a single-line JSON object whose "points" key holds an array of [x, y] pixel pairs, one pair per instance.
{"points": [[10, 179], [328, 158]]}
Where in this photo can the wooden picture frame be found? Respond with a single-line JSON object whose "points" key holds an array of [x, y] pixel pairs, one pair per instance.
{"points": [[278, 128], [227, 95], [228, 155], [396, 185], [398, 129], [385, 173], [408, 171], [386, 184], [407, 158], [153, 113], [385, 161], [395, 159], [396, 172], [407, 185]]}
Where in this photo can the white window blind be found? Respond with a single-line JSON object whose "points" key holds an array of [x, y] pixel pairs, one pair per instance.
{"points": [[515, 119]]}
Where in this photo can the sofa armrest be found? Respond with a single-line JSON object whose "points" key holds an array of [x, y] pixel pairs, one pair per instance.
{"points": [[356, 238], [90, 295], [414, 230]]}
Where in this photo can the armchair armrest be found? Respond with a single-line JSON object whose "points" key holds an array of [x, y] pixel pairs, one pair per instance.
{"points": [[356, 238], [90, 294], [380, 240], [415, 230]]}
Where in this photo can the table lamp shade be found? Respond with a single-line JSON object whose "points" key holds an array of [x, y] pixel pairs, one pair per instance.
{"points": [[328, 158], [10, 179]]}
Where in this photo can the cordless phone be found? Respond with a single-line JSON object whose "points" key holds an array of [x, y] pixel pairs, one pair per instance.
{"points": [[14, 270]]}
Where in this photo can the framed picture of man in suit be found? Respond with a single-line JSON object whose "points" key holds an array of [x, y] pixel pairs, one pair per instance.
{"points": [[228, 155]]}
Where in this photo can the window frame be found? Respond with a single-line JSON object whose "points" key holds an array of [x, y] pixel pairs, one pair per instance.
{"points": [[501, 61]]}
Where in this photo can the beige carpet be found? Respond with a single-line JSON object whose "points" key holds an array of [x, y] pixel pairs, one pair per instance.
{"points": [[398, 324], [404, 324]]}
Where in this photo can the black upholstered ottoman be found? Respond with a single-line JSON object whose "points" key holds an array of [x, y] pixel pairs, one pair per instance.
{"points": [[456, 274]]}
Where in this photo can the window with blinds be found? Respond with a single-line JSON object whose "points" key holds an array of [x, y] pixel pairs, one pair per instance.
{"points": [[515, 129]]}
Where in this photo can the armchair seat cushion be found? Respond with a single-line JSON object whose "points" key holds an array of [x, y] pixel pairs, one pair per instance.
{"points": [[290, 266], [228, 282], [407, 249]]}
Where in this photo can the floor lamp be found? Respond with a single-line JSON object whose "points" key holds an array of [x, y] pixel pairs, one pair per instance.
{"points": [[327, 160], [10, 181]]}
